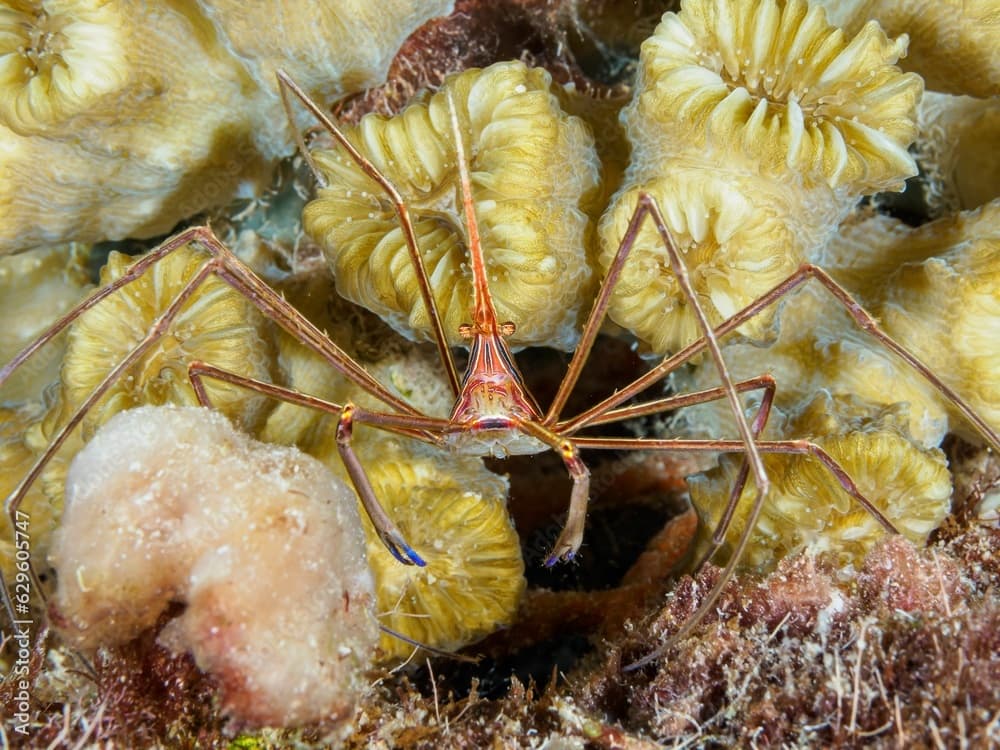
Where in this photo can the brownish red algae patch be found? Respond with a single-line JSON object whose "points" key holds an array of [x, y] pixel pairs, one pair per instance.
{"points": [[909, 653], [900, 577]]}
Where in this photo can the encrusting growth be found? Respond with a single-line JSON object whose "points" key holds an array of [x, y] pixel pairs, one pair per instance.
{"points": [[261, 544]]}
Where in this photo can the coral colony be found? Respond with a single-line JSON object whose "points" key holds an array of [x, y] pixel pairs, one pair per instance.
{"points": [[144, 114], [533, 224], [208, 573]]}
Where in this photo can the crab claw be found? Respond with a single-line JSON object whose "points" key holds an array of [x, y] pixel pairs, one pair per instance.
{"points": [[399, 549]]}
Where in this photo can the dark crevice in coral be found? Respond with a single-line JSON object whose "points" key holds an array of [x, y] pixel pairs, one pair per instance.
{"points": [[615, 539], [910, 206], [97, 257], [604, 36]]}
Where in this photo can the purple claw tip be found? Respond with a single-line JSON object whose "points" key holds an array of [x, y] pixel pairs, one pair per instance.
{"points": [[404, 553]]}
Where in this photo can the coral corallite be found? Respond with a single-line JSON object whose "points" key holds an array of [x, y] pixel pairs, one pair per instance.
{"points": [[533, 170], [808, 509], [775, 124], [57, 60], [775, 83], [474, 578], [217, 324], [261, 543]]}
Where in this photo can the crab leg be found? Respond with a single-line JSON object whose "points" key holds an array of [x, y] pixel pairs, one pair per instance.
{"points": [[863, 319], [801, 447], [418, 427], [571, 537], [422, 428], [386, 528], [765, 383], [286, 84], [230, 269]]}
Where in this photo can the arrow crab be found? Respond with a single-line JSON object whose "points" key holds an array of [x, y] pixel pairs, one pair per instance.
{"points": [[493, 413]]}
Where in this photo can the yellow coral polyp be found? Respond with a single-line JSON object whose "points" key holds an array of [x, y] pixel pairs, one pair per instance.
{"points": [[775, 123], [216, 324], [934, 290], [474, 577], [953, 43], [533, 168], [808, 509], [946, 309], [121, 118], [41, 506], [735, 245], [775, 82], [57, 58]]}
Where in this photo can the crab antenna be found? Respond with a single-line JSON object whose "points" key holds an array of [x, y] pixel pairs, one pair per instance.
{"points": [[484, 315]]}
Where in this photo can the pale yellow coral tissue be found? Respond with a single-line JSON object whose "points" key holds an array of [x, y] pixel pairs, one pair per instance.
{"points": [[777, 123], [808, 509], [120, 118], [533, 168]]}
